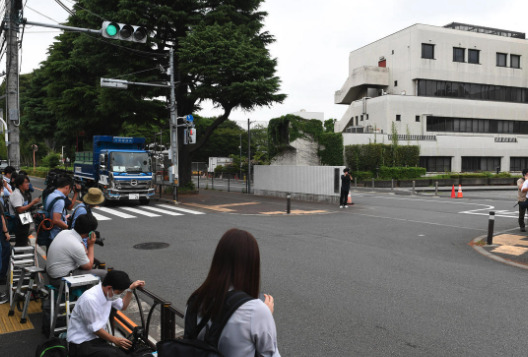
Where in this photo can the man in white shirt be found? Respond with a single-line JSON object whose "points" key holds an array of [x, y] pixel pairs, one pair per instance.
{"points": [[87, 335], [67, 252]]}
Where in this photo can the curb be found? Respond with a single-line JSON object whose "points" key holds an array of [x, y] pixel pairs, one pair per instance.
{"points": [[487, 254]]}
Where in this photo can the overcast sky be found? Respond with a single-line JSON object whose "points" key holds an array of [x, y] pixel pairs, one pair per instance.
{"points": [[313, 40]]}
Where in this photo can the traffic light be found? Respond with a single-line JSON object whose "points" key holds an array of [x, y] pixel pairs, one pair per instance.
{"points": [[125, 32], [189, 136]]}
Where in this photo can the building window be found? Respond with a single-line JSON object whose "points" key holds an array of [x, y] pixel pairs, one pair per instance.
{"points": [[367, 116], [515, 61], [417, 118], [398, 117], [518, 163], [427, 51], [476, 91], [459, 54], [361, 117], [474, 56], [478, 163], [436, 163], [501, 59], [470, 125], [395, 83]]}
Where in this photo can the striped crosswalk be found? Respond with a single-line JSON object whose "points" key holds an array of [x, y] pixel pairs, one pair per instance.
{"points": [[107, 213]]}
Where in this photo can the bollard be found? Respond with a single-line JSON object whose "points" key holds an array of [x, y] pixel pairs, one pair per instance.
{"points": [[198, 181], [436, 188], [414, 188], [228, 184], [288, 203], [392, 184], [491, 222], [212, 182], [373, 182], [355, 182]]}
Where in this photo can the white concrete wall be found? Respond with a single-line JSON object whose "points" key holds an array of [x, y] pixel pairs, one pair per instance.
{"points": [[306, 182], [303, 152]]}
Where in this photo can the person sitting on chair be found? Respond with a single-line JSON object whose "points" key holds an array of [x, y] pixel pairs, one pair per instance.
{"points": [[87, 335], [67, 253]]}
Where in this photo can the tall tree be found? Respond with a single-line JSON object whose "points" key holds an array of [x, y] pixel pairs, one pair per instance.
{"points": [[221, 56]]}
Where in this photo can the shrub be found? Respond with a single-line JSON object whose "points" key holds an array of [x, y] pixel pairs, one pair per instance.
{"points": [[401, 173], [51, 160]]}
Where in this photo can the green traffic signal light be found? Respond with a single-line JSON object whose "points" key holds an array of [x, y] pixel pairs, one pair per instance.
{"points": [[111, 29]]}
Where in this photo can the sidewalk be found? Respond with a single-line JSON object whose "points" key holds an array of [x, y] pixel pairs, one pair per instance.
{"points": [[241, 203], [507, 248]]}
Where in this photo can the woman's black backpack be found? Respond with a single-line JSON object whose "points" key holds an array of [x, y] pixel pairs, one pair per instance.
{"points": [[190, 345]]}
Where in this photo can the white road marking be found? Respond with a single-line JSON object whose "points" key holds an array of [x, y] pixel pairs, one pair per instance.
{"points": [[115, 212], [100, 217], [170, 213], [498, 213], [138, 211], [180, 209]]}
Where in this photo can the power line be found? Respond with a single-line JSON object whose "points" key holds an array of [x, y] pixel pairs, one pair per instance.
{"points": [[67, 9], [41, 14]]}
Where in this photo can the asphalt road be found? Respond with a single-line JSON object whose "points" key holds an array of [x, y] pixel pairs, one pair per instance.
{"points": [[391, 276]]}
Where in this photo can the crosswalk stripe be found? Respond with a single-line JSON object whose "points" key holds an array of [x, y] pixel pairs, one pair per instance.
{"points": [[170, 213], [100, 217], [138, 211], [115, 212], [180, 209]]}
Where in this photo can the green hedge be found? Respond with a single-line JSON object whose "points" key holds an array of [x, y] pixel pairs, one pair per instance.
{"points": [[331, 152], [401, 173], [371, 156]]}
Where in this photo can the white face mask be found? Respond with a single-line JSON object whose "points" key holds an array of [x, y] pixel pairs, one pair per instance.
{"points": [[114, 297]]}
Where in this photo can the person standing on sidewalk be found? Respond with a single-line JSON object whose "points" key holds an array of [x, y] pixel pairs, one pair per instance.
{"points": [[521, 199], [345, 188]]}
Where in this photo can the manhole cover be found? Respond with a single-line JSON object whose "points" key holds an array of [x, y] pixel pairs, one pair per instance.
{"points": [[151, 245]]}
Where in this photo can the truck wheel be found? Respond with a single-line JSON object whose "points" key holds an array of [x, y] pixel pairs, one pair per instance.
{"points": [[144, 201]]}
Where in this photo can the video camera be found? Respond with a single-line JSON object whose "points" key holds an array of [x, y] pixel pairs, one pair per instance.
{"points": [[54, 175], [98, 239]]}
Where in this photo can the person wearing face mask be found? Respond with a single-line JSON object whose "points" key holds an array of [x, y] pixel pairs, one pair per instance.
{"points": [[86, 334], [67, 253]]}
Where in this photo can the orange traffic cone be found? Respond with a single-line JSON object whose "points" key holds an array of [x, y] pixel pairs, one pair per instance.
{"points": [[459, 194], [453, 192], [349, 200]]}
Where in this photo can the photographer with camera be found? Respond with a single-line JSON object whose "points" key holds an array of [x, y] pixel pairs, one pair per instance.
{"points": [[67, 253]]}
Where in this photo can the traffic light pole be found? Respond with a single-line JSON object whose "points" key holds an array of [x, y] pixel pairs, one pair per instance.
{"points": [[174, 128], [122, 84]]}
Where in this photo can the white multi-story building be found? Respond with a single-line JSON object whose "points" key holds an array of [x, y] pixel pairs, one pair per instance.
{"points": [[460, 92]]}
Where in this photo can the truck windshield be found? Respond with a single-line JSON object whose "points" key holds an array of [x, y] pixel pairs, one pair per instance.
{"points": [[130, 162]]}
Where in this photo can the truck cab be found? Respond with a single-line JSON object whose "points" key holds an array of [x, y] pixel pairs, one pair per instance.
{"points": [[119, 166]]}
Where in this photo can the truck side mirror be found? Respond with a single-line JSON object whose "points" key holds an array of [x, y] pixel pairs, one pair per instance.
{"points": [[102, 161]]}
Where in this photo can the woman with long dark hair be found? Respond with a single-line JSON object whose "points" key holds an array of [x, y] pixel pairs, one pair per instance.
{"points": [[251, 330]]}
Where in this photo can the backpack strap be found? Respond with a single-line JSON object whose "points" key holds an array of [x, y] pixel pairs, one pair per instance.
{"points": [[52, 204], [234, 299]]}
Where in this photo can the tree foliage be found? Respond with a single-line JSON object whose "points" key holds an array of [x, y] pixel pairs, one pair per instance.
{"points": [[220, 56]]}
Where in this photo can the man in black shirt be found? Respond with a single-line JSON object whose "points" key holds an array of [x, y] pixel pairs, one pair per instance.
{"points": [[345, 188]]}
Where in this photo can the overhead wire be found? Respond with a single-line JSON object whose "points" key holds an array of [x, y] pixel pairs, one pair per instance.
{"points": [[66, 8]]}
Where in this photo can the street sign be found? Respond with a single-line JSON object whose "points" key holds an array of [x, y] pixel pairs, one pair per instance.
{"points": [[114, 83], [189, 118]]}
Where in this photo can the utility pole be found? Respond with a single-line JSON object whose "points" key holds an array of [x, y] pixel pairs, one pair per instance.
{"points": [[249, 160], [240, 164], [13, 115]]}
